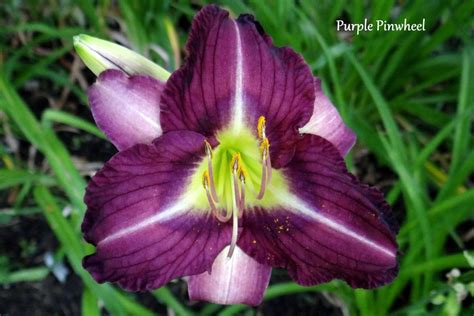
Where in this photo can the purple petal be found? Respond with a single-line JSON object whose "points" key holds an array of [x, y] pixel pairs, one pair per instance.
{"points": [[143, 224], [236, 280], [127, 109], [328, 226], [327, 123], [234, 75]]}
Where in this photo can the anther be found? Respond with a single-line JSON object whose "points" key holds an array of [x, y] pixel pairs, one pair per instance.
{"points": [[211, 173], [205, 179], [265, 148], [235, 164], [261, 128]]}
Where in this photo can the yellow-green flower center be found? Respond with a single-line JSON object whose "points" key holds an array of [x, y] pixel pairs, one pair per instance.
{"points": [[236, 176], [248, 147]]}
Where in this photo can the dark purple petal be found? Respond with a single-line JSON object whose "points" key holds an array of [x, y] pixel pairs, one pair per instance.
{"points": [[234, 75], [236, 280], [327, 123], [126, 108], [328, 226], [143, 223]]}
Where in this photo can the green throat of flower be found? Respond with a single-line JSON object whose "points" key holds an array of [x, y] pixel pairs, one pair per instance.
{"points": [[236, 176]]}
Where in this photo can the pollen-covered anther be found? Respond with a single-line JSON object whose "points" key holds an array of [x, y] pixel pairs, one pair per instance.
{"points": [[211, 173], [205, 180], [261, 128], [235, 163], [265, 148]]}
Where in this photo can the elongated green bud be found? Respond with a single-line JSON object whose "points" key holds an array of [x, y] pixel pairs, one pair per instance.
{"points": [[99, 55]]}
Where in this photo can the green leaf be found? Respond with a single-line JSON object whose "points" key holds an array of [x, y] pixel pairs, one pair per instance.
{"points": [[89, 305], [57, 116], [25, 275]]}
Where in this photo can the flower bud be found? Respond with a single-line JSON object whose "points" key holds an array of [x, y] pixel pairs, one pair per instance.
{"points": [[100, 55]]}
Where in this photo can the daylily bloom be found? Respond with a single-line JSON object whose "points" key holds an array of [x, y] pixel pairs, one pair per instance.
{"points": [[229, 168]]}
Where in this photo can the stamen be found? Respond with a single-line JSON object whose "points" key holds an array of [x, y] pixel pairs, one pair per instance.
{"points": [[211, 173], [235, 162], [235, 185], [212, 205], [239, 173], [261, 128], [266, 170], [214, 210], [265, 147], [237, 206], [205, 179], [263, 183], [269, 168], [222, 218]]}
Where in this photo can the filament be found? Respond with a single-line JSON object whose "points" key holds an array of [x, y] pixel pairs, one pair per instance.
{"points": [[211, 173], [217, 213], [268, 163], [236, 202], [263, 182], [222, 218], [266, 167], [212, 204], [242, 194]]}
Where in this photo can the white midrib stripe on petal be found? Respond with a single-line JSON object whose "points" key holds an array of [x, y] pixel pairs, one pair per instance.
{"points": [[166, 214], [113, 97], [150, 121], [296, 205], [238, 101]]}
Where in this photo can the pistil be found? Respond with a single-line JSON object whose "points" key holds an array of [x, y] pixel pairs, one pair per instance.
{"points": [[237, 206]]}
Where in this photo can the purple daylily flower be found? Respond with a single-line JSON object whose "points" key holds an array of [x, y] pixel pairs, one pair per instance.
{"points": [[231, 167]]}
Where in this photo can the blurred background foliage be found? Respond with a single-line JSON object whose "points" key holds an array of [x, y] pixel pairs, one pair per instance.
{"points": [[407, 95]]}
